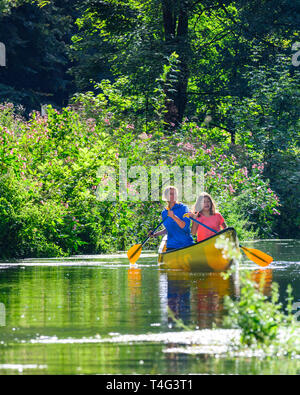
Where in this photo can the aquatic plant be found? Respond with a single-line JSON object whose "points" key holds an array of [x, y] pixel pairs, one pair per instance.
{"points": [[262, 321], [260, 318]]}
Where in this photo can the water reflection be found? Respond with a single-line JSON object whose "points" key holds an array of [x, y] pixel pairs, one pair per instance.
{"points": [[198, 299], [64, 299], [195, 298], [209, 297], [264, 279], [134, 276]]}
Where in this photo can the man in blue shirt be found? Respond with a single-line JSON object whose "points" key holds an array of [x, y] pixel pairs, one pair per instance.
{"points": [[177, 227]]}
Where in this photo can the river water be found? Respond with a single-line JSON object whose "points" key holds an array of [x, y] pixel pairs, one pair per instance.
{"points": [[98, 315]]}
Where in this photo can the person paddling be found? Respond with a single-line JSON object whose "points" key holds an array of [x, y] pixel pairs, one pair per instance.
{"points": [[176, 226], [205, 212]]}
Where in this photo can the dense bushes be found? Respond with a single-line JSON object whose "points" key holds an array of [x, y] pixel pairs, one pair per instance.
{"points": [[49, 178]]}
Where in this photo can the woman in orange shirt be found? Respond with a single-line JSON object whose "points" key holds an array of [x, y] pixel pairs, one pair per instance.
{"points": [[205, 212]]}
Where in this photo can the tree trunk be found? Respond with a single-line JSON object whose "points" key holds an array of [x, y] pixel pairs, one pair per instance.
{"points": [[175, 20]]}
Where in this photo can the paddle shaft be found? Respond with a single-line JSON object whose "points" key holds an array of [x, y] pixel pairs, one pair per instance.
{"points": [[243, 248], [161, 222], [135, 251], [152, 232], [205, 226]]}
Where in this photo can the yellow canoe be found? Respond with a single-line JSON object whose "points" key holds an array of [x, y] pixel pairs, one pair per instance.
{"points": [[200, 257]]}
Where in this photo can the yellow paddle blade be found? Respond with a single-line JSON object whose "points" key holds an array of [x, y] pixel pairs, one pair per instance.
{"points": [[257, 256], [134, 253]]}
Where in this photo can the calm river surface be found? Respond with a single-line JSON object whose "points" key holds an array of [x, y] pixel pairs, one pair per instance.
{"points": [[70, 316]]}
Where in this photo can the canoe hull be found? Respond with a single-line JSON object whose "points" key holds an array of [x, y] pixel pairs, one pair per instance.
{"points": [[200, 257]]}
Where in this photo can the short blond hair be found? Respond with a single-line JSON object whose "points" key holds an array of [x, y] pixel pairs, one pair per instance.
{"points": [[166, 194], [200, 202]]}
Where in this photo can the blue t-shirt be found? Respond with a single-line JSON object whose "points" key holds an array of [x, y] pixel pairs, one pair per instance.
{"points": [[177, 237]]}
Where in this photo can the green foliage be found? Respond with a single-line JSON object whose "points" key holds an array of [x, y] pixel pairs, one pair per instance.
{"points": [[268, 125], [36, 53], [149, 63], [259, 318], [241, 192], [28, 228], [49, 168], [215, 43], [165, 87], [5, 6]]}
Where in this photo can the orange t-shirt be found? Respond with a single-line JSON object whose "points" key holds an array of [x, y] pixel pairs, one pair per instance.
{"points": [[213, 221]]}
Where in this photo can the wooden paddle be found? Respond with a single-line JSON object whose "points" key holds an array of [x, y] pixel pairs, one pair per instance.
{"points": [[135, 251], [256, 256]]}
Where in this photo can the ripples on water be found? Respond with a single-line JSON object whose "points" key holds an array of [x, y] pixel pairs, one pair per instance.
{"points": [[95, 314]]}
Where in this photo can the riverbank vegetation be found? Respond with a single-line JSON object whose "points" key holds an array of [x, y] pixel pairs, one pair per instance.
{"points": [[262, 320], [205, 85]]}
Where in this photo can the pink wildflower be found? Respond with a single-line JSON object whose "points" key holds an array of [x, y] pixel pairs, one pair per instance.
{"points": [[189, 147], [231, 189], [261, 166], [143, 136], [244, 171]]}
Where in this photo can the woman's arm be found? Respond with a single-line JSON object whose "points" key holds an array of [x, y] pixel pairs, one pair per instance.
{"points": [[224, 225], [194, 225]]}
